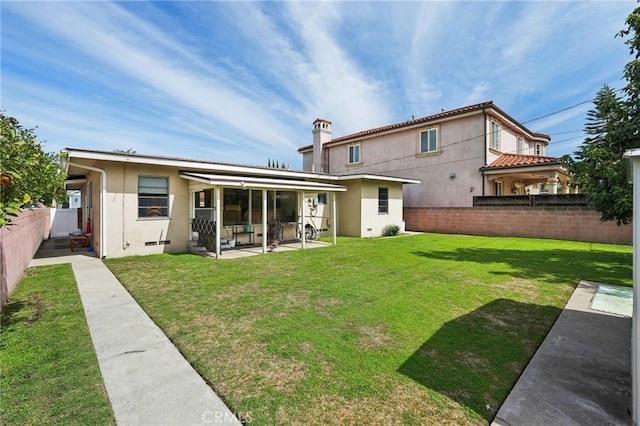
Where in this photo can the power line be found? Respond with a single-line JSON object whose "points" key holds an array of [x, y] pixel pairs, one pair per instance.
{"points": [[483, 136]]}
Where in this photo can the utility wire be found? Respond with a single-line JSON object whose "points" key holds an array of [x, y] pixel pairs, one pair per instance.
{"points": [[483, 136]]}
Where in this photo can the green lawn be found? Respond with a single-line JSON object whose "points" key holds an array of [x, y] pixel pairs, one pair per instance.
{"points": [[49, 372], [423, 329]]}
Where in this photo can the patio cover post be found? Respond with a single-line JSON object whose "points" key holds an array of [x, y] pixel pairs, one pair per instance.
{"points": [[301, 211], [265, 231], [334, 218], [216, 191]]}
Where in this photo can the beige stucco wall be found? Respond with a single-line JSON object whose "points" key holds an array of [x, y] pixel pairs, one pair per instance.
{"points": [[126, 234], [396, 154], [349, 209], [358, 208]]}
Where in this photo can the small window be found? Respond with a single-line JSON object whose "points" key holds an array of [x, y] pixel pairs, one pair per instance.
{"points": [[520, 145], [539, 149], [497, 187], [495, 135], [354, 154], [322, 198], [383, 200], [153, 196], [429, 140]]}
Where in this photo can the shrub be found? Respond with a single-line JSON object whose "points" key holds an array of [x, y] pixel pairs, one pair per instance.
{"points": [[390, 230]]}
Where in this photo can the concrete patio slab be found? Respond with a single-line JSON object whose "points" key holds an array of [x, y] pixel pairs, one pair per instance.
{"points": [[580, 375]]}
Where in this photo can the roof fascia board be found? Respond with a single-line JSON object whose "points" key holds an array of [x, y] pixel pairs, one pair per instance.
{"points": [[524, 169], [236, 181], [376, 177], [184, 164]]}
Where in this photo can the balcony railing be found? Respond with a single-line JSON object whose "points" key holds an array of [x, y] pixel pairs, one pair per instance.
{"points": [[540, 200]]}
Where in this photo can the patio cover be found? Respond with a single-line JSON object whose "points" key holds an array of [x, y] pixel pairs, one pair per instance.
{"points": [[253, 182], [261, 183]]}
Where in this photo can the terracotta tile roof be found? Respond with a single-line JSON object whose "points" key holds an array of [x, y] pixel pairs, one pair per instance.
{"points": [[517, 160], [421, 120]]}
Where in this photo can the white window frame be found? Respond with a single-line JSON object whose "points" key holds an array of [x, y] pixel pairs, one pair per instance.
{"points": [[539, 150], [495, 135], [520, 144], [436, 142], [166, 195], [352, 150]]}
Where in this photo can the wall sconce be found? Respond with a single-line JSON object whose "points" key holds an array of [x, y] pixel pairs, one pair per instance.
{"points": [[452, 175], [471, 189]]}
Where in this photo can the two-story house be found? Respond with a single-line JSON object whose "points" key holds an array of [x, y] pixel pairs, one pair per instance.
{"points": [[477, 150]]}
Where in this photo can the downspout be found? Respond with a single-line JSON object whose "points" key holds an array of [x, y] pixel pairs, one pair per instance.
{"points": [[103, 206], [484, 145]]}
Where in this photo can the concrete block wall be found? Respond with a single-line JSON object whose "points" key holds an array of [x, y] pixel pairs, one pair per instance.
{"points": [[18, 243], [563, 223]]}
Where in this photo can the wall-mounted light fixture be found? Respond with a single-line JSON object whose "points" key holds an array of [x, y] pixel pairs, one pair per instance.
{"points": [[471, 189], [452, 175]]}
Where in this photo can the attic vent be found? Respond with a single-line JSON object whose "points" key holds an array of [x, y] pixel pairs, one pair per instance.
{"points": [[165, 242], [151, 243]]}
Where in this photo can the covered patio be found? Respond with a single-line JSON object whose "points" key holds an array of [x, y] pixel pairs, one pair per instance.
{"points": [[515, 174], [250, 214]]}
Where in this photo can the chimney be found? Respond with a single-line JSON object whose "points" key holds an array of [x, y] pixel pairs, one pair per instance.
{"points": [[321, 135]]}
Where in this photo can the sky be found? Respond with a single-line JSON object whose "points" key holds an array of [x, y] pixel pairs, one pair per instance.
{"points": [[242, 82]]}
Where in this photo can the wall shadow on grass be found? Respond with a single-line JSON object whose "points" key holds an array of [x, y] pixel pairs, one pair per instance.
{"points": [[476, 358], [554, 266]]}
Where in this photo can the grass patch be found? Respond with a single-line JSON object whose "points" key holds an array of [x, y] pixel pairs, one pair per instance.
{"points": [[425, 329], [49, 372]]}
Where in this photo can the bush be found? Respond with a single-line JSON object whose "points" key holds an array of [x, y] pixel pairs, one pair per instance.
{"points": [[390, 230]]}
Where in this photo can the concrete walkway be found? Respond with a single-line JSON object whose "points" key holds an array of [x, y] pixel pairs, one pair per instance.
{"points": [[147, 380], [580, 375]]}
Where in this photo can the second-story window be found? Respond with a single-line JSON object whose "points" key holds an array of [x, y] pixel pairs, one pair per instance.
{"points": [[539, 150], [429, 140], [495, 135], [354, 153], [520, 143]]}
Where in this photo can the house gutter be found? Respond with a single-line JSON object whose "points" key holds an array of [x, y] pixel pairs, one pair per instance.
{"points": [[103, 205]]}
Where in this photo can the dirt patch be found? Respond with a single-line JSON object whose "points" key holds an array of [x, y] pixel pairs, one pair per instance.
{"points": [[374, 337], [401, 404]]}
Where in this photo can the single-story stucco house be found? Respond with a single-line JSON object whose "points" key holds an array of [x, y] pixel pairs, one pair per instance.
{"points": [[142, 204]]}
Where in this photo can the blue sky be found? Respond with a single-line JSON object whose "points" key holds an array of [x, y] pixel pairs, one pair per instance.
{"points": [[242, 82]]}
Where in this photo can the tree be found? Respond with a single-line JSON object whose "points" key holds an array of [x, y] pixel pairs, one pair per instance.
{"points": [[28, 172], [598, 168]]}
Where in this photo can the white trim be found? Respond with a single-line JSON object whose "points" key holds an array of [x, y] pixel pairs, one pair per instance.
{"points": [[103, 206], [359, 159], [428, 129], [184, 163], [260, 183], [377, 177]]}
